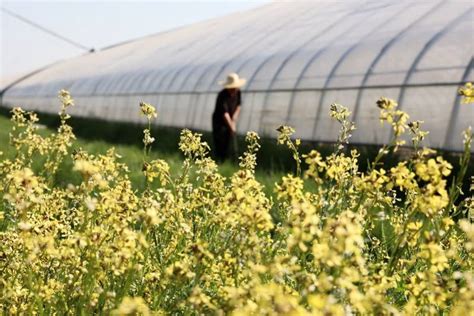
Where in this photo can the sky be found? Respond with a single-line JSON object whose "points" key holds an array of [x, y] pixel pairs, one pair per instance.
{"points": [[94, 24]]}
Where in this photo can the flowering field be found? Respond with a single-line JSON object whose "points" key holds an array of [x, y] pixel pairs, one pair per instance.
{"points": [[382, 241]]}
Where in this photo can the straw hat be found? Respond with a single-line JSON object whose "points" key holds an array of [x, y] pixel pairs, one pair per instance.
{"points": [[233, 81]]}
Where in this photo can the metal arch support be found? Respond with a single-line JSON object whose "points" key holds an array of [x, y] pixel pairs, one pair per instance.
{"points": [[122, 80], [382, 52], [196, 67], [148, 79], [332, 73], [250, 81], [99, 83], [425, 49], [298, 81], [104, 84], [266, 60], [455, 111], [305, 68], [116, 82], [230, 59], [170, 71], [423, 52], [281, 26], [240, 53], [129, 78], [19, 80], [285, 61], [191, 72], [252, 78], [238, 70], [134, 78], [218, 41], [144, 78], [206, 52], [192, 111]]}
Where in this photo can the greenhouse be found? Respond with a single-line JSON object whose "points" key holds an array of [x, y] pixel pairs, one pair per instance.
{"points": [[298, 58]]}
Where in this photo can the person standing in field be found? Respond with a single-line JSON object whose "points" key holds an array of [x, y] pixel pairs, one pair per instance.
{"points": [[226, 114]]}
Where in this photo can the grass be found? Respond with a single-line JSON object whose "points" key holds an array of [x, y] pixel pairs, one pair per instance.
{"points": [[96, 136], [131, 153]]}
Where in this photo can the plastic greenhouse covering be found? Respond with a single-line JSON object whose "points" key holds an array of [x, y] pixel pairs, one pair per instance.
{"points": [[297, 57]]}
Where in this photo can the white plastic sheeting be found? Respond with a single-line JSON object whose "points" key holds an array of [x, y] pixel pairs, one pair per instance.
{"points": [[298, 58]]}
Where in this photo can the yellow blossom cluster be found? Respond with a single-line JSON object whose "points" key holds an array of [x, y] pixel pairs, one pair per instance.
{"points": [[396, 118], [467, 92], [332, 240], [148, 110], [341, 114]]}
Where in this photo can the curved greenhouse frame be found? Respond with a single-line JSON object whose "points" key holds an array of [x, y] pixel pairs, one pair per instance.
{"points": [[298, 58]]}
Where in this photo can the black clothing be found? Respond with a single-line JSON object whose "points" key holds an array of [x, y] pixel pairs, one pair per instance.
{"points": [[221, 143], [225, 103]]}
